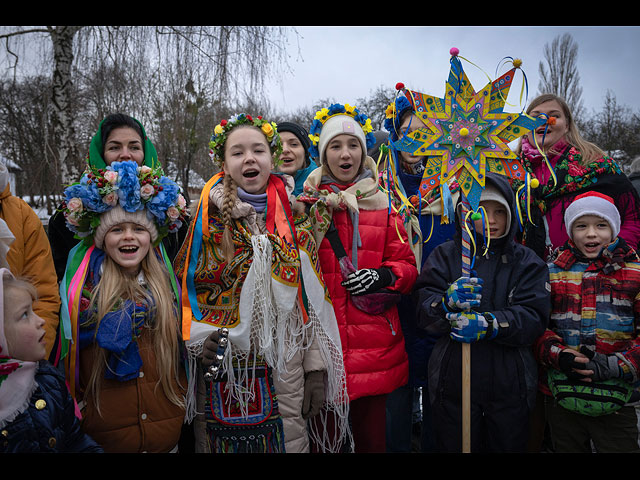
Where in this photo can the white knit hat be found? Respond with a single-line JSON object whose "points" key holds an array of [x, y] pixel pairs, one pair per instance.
{"points": [[118, 215], [593, 203], [339, 125]]}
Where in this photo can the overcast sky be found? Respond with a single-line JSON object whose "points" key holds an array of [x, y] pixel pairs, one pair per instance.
{"points": [[347, 63]]}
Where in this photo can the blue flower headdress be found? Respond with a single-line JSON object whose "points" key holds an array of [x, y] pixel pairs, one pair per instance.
{"points": [[337, 109], [220, 132], [394, 113], [130, 186]]}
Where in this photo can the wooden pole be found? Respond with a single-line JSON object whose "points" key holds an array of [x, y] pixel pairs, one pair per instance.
{"points": [[466, 348], [466, 398]]}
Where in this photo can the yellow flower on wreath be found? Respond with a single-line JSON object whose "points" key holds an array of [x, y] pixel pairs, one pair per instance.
{"points": [[390, 111], [367, 128], [322, 114], [268, 130]]}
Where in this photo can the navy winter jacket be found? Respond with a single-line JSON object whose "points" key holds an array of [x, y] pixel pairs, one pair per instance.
{"points": [[49, 423], [515, 290]]}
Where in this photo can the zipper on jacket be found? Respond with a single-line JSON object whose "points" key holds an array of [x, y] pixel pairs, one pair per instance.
{"points": [[393, 332]]}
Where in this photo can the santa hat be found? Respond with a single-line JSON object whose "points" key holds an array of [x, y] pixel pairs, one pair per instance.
{"points": [[593, 203]]}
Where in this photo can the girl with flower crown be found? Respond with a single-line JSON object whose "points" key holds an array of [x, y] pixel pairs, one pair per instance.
{"points": [[119, 137], [120, 337], [366, 261], [259, 328]]}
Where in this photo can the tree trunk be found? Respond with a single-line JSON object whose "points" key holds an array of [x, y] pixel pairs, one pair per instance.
{"points": [[62, 38]]}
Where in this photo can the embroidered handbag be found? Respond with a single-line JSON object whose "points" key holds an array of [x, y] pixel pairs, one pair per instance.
{"points": [[256, 428]]}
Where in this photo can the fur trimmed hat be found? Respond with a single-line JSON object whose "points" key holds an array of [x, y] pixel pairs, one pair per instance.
{"points": [[118, 215], [593, 203]]}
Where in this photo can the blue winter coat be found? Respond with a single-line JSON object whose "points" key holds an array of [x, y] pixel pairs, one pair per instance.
{"points": [[515, 290], [418, 343], [49, 423]]}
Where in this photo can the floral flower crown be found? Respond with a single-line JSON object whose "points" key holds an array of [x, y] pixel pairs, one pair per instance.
{"points": [[337, 109], [221, 131], [132, 187]]}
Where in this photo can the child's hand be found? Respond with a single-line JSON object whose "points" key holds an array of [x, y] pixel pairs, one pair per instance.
{"points": [[604, 367], [210, 349], [313, 394], [214, 347], [463, 294], [470, 327], [367, 280], [574, 365]]}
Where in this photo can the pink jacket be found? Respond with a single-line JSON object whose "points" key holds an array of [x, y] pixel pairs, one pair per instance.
{"points": [[625, 200]]}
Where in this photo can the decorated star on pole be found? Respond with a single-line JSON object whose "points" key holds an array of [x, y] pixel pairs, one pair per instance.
{"points": [[467, 133]]}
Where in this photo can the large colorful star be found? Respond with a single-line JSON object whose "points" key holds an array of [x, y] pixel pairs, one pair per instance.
{"points": [[466, 133]]}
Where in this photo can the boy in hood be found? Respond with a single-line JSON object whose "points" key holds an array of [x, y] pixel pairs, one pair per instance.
{"points": [[500, 310]]}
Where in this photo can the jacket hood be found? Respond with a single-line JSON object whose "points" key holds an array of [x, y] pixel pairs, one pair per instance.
{"points": [[500, 183]]}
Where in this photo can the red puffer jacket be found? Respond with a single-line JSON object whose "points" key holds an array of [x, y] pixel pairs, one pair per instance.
{"points": [[373, 345]]}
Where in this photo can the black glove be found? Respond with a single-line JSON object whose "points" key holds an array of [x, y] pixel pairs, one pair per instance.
{"points": [[604, 366], [368, 280], [567, 363]]}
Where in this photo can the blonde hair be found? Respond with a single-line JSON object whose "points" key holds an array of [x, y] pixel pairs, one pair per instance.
{"points": [[115, 286], [230, 195], [19, 283], [10, 282], [590, 152]]}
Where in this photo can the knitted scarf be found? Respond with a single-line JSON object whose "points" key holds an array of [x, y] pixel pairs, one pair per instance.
{"points": [[117, 331]]}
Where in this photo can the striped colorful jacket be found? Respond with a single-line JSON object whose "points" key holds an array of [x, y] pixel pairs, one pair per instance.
{"points": [[596, 304]]}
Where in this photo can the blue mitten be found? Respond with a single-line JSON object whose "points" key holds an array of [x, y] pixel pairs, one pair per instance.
{"points": [[470, 327], [463, 294]]}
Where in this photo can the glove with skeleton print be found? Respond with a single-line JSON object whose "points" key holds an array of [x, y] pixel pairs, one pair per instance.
{"points": [[368, 280]]}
